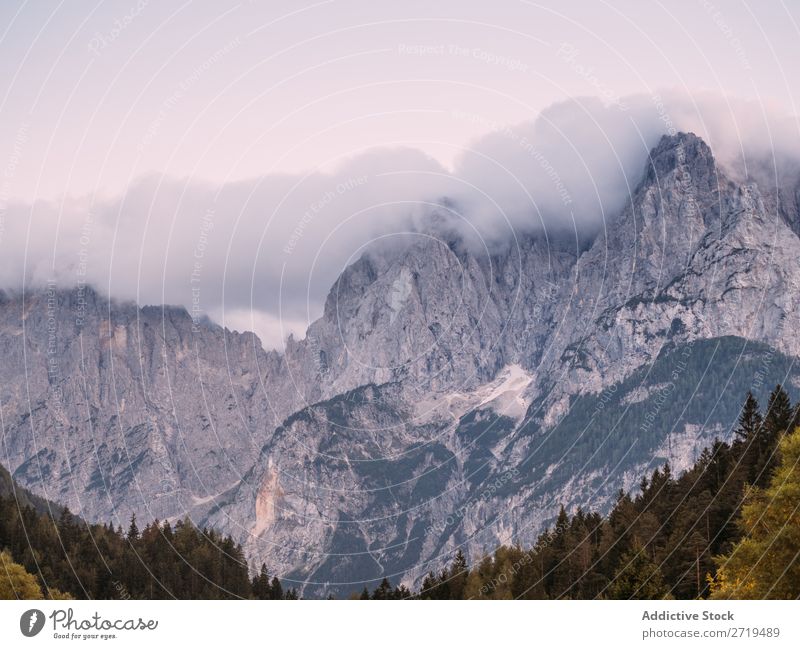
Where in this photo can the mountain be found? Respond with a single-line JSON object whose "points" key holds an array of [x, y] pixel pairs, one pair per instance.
{"points": [[447, 398], [112, 409]]}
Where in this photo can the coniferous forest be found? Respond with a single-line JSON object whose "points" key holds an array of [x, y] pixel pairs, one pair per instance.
{"points": [[727, 528]]}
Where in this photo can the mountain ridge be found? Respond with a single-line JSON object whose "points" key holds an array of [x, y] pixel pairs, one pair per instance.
{"points": [[384, 394]]}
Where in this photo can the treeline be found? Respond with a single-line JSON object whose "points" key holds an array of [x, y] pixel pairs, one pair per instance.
{"points": [[728, 527], [57, 556]]}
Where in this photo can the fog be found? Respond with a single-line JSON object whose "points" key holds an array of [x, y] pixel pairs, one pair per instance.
{"points": [[261, 254]]}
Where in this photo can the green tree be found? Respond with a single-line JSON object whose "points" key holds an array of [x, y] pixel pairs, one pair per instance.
{"points": [[458, 575], [639, 578], [260, 586], [765, 563], [779, 411], [277, 588], [383, 591], [133, 530], [760, 456], [15, 581], [750, 420]]}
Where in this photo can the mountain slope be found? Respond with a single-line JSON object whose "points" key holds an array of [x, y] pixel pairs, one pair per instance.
{"points": [[447, 397], [113, 409], [692, 269]]}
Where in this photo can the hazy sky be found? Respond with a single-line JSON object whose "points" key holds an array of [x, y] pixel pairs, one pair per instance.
{"points": [[150, 129]]}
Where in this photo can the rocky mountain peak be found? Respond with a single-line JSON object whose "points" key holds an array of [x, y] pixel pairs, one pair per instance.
{"points": [[685, 154], [435, 371]]}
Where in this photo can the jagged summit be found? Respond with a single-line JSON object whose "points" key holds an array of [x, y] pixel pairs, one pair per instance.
{"points": [[376, 426], [684, 153]]}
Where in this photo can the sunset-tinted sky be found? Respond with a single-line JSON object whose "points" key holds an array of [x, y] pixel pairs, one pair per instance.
{"points": [[97, 93]]}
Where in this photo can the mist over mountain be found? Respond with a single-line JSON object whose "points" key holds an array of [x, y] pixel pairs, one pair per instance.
{"points": [[261, 254], [456, 387]]}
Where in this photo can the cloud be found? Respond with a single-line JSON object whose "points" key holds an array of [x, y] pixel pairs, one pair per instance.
{"points": [[263, 253], [577, 164]]}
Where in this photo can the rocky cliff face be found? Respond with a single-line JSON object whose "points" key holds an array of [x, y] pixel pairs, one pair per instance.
{"points": [[113, 409], [447, 397]]}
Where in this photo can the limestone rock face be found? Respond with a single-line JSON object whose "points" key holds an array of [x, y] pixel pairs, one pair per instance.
{"points": [[112, 408], [448, 397]]}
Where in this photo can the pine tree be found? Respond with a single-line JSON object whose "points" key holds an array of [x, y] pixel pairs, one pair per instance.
{"points": [[431, 587], [776, 422], [260, 586], [133, 530], [277, 589], [383, 591], [750, 420], [458, 575], [779, 411], [639, 578]]}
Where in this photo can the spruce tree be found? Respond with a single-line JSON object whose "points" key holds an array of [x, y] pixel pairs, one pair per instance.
{"points": [[750, 420], [383, 591], [458, 576], [133, 530], [261, 587], [777, 421], [638, 578], [779, 411]]}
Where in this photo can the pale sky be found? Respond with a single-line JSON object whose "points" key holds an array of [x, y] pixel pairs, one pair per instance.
{"points": [[98, 93], [134, 132]]}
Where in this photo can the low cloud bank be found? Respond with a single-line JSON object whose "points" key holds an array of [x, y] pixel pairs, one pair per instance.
{"points": [[262, 254]]}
